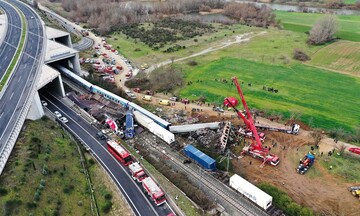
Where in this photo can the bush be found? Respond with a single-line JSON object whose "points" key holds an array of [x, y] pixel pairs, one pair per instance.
{"points": [[300, 55], [3, 192], [108, 196], [11, 205], [282, 201], [192, 63], [31, 205], [107, 207]]}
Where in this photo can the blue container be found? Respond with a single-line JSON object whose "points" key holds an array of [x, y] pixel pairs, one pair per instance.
{"points": [[201, 158]]}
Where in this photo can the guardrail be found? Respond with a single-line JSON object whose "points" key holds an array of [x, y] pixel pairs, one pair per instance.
{"points": [[9, 144]]}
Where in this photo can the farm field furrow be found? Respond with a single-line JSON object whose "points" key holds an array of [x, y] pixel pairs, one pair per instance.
{"points": [[341, 56]]}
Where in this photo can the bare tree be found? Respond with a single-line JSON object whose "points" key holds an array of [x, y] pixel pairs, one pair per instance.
{"points": [[323, 30], [317, 135]]}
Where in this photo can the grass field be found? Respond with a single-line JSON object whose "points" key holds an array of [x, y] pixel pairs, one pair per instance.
{"points": [[350, 1], [43, 175], [341, 56], [349, 26], [145, 54], [301, 88]]}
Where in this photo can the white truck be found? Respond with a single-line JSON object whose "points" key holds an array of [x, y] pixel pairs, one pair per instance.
{"points": [[252, 192], [137, 172]]}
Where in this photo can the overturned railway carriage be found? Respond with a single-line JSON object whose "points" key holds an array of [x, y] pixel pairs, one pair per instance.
{"points": [[113, 97]]}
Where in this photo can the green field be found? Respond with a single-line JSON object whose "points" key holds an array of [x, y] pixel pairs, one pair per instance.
{"points": [[349, 26], [350, 1], [44, 175], [341, 56], [141, 53], [328, 99]]}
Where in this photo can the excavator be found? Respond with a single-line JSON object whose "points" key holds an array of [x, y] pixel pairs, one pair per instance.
{"points": [[255, 149]]}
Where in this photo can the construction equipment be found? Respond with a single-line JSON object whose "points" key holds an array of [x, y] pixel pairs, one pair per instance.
{"points": [[355, 191], [305, 163], [255, 149], [293, 129]]}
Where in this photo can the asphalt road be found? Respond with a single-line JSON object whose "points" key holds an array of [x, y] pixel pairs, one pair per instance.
{"points": [[85, 42], [132, 191], [22, 80], [12, 37]]}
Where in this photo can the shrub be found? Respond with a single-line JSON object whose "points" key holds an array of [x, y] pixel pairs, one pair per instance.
{"points": [[107, 207], [3, 192], [108, 196], [11, 205], [31, 205], [192, 63], [300, 55]]}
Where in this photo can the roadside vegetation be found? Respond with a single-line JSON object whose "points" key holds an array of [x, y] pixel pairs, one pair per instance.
{"points": [[50, 179], [44, 175], [284, 202]]}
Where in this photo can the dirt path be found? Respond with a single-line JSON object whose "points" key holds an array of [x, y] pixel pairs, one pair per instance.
{"points": [[238, 39]]}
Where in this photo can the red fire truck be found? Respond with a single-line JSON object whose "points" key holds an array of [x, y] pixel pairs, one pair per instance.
{"points": [[154, 191], [137, 172]]}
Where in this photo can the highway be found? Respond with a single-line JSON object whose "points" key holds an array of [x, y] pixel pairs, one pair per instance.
{"points": [[131, 190], [12, 37], [23, 79]]}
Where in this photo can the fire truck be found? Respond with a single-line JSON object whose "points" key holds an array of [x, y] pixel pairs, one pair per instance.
{"points": [[154, 191], [119, 152], [255, 149], [137, 172]]}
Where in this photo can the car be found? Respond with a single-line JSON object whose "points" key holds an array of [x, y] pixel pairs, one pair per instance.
{"points": [[173, 98], [127, 91], [218, 109], [355, 150], [57, 114], [64, 120], [101, 135], [132, 95], [32, 17], [44, 103]]}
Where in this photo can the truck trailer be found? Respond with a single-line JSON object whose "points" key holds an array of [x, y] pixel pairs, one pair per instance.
{"points": [[201, 158], [252, 192], [154, 191], [137, 172]]}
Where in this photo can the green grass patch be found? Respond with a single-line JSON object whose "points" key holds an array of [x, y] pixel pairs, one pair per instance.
{"points": [[301, 88], [350, 1], [349, 26], [17, 54], [284, 202], [43, 175], [341, 56], [141, 53], [343, 165]]}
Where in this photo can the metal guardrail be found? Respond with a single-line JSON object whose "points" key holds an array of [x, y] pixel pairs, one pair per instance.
{"points": [[6, 151]]}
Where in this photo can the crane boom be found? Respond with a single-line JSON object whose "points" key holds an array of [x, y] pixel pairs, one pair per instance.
{"points": [[249, 121], [255, 149]]}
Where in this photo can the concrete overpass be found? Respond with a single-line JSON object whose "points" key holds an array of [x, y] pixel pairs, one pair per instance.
{"points": [[43, 46]]}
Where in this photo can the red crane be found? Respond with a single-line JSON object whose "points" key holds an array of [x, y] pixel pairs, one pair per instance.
{"points": [[255, 149]]}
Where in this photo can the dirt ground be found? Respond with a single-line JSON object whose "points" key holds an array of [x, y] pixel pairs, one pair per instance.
{"points": [[326, 194]]}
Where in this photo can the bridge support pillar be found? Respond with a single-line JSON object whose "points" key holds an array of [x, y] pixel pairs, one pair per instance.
{"points": [[36, 111], [75, 64]]}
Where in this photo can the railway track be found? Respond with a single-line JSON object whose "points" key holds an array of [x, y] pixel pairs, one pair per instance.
{"points": [[221, 191]]}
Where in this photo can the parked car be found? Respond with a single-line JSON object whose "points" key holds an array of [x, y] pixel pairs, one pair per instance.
{"points": [[173, 98], [218, 109], [101, 135], [355, 150], [64, 120], [185, 101], [57, 114], [44, 103]]}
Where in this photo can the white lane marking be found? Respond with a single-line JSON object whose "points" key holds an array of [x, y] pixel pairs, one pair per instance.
{"points": [[1, 114], [11, 95], [19, 79]]}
